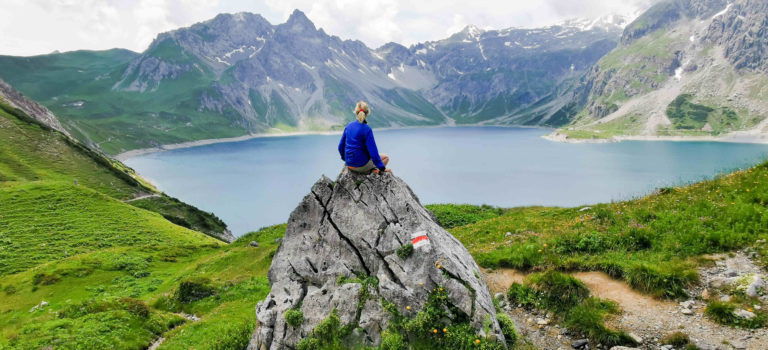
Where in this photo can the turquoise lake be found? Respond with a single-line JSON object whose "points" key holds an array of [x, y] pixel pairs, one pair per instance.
{"points": [[256, 183]]}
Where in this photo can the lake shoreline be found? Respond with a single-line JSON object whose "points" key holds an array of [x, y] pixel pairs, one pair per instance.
{"points": [[735, 137], [123, 156]]}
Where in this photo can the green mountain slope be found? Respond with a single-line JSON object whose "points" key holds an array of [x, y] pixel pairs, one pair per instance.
{"points": [[73, 235], [31, 151]]}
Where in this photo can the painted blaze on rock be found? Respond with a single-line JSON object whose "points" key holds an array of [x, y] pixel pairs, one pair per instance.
{"points": [[352, 228]]}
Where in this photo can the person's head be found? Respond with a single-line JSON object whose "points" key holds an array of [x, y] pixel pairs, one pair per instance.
{"points": [[362, 111]]}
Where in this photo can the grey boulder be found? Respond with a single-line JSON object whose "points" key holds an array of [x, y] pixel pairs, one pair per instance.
{"points": [[352, 228]]}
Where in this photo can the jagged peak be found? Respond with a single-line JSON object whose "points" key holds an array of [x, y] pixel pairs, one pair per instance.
{"points": [[298, 17]]}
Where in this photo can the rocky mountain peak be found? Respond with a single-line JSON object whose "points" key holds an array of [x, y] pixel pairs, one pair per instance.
{"points": [[362, 247], [298, 22]]}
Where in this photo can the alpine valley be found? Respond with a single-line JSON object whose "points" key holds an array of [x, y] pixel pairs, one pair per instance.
{"points": [[237, 74]]}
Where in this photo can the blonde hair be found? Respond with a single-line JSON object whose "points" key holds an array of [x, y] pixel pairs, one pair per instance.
{"points": [[362, 111]]}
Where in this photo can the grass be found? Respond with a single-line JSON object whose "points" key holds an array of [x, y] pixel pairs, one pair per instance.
{"points": [[570, 300], [125, 297], [654, 242], [183, 214], [453, 215]]}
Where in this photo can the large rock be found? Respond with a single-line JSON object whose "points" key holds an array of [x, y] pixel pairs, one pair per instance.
{"points": [[353, 227]]}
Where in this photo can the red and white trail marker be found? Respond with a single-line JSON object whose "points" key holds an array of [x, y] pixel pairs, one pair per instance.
{"points": [[419, 239]]}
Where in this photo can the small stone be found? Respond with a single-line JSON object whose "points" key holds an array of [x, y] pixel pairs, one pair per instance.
{"points": [[731, 273], [254, 244], [744, 314], [725, 298], [623, 348], [754, 286], [636, 338], [508, 234], [705, 294], [542, 321], [687, 304], [498, 296], [585, 208], [580, 343], [686, 312], [738, 345]]}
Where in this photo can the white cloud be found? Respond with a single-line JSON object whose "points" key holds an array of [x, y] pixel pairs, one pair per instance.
{"points": [[31, 27]]}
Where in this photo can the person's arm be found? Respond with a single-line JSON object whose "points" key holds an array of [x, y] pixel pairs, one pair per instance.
{"points": [[373, 152], [342, 144]]}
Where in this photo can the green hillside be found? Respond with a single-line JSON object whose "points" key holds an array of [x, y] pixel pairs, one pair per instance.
{"points": [[74, 243], [78, 90], [31, 152]]}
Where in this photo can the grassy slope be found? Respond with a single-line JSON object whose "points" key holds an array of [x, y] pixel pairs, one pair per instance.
{"points": [[31, 152], [654, 242], [86, 292]]}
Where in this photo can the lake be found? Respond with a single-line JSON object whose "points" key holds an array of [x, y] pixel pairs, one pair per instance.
{"points": [[256, 183]]}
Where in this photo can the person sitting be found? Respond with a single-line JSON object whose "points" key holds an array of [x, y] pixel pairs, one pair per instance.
{"points": [[357, 146]]}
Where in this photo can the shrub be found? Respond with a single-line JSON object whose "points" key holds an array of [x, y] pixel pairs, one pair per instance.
{"points": [[588, 318], [676, 339], [136, 307], [523, 295], [10, 289], [44, 279], [405, 251], [669, 280], [559, 291], [507, 328], [194, 289], [723, 312], [392, 341], [294, 317]]}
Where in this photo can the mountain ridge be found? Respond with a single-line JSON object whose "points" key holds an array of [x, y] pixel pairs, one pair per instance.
{"points": [[237, 74]]}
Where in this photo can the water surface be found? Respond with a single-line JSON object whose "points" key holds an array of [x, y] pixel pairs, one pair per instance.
{"points": [[259, 182]]}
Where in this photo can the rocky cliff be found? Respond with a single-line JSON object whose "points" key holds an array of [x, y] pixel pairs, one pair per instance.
{"points": [[365, 250], [30, 108], [683, 68]]}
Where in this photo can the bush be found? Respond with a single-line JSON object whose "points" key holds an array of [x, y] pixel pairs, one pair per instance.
{"points": [[136, 307], [723, 312], [44, 279], [294, 317], [559, 291], [194, 289], [676, 339], [405, 251], [507, 328], [668, 280], [588, 318], [10, 289], [523, 295], [392, 341], [454, 215]]}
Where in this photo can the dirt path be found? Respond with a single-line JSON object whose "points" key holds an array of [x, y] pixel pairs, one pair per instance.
{"points": [[153, 195], [642, 314]]}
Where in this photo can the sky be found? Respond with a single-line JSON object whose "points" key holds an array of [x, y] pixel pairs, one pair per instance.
{"points": [[33, 27]]}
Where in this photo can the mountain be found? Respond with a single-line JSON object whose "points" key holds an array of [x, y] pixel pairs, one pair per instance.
{"points": [[683, 68], [238, 74]]}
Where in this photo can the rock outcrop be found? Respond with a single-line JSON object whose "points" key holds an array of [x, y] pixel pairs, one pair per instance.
{"points": [[351, 229], [33, 109]]}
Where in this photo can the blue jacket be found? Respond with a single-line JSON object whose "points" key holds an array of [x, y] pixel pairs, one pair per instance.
{"points": [[357, 146]]}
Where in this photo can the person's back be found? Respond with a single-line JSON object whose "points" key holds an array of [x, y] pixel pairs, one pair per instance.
{"points": [[357, 147]]}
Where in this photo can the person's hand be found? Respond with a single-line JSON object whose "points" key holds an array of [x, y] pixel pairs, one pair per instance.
{"points": [[388, 170]]}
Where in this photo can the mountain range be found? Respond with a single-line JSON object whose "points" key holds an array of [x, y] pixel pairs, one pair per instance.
{"points": [[238, 74], [682, 68]]}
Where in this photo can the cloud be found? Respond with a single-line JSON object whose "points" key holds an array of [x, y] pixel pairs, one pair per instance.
{"points": [[32, 27]]}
